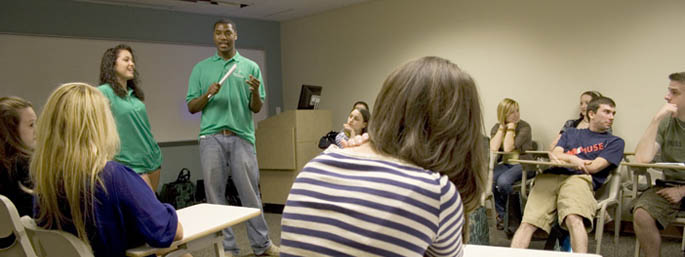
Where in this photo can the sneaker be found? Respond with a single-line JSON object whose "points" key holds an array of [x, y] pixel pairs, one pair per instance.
{"points": [[273, 250]]}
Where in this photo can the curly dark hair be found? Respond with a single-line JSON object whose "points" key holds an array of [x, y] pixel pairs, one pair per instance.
{"points": [[108, 75]]}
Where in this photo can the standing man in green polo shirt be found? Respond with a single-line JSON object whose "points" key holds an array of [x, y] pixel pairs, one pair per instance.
{"points": [[227, 135]]}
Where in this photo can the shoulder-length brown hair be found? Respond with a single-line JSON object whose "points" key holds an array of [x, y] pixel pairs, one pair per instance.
{"points": [[109, 76], [12, 148], [428, 113]]}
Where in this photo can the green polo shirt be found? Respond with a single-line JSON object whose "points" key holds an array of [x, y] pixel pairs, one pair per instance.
{"points": [[230, 107], [139, 150]]}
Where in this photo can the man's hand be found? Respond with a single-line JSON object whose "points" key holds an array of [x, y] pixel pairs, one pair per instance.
{"points": [[214, 88], [254, 85], [580, 164], [355, 141], [672, 194], [668, 110]]}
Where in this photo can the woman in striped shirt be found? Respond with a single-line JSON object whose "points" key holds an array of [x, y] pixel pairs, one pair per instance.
{"points": [[405, 192]]}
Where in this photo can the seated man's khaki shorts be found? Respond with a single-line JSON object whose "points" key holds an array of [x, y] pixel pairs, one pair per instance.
{"points": [[663, 211], [555, 194]]}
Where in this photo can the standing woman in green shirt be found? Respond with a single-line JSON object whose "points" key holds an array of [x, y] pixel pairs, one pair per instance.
{"points": [[120, 84]]}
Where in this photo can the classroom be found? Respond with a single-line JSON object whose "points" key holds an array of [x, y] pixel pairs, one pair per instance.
{"points": [[542, 54]]}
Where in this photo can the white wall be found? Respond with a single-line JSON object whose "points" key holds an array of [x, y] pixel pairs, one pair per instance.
{"points": [[541, 53], [164, 70]]}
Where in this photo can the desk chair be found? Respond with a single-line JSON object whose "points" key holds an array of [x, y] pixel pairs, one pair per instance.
{"points": [[11, 226], [609, 194], [523, 186], [606, 196], [636, 173], [49, 243]]}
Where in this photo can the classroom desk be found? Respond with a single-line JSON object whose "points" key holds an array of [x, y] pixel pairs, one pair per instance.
{"points": [[202, 225], [536, 152], [654, 165], [544, 163], [482, 250], [641, 169]]}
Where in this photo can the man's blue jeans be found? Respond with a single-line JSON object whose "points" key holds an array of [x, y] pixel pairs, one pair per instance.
{"points": [[222, 157]]}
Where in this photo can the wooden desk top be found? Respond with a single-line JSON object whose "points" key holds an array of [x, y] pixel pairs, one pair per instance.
{"points": [[654, 165], [554, 164], [201, 220], [482, 250], [536, 152]]}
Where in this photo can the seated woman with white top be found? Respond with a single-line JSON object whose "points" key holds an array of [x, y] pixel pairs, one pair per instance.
{"points": [[357, 123], [81, 190], [405, 191]]}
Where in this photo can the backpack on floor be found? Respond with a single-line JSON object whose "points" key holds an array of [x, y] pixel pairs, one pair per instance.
{"points": [[328, 139], [478, 227], [180, 193]]}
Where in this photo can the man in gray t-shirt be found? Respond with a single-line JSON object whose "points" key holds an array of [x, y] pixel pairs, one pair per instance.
{"points": [[658, 206], [671, 139]]}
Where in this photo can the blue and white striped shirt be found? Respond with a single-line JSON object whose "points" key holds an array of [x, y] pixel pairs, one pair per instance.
{"points": [[349, 204]]}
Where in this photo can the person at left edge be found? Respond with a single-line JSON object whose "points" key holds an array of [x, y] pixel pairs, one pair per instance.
{"points": [[120, 84]]}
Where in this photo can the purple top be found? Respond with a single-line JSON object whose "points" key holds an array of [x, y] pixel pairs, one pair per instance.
{"points": [[127, 215]]}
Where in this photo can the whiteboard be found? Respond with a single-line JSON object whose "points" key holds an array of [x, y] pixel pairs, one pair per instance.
{"points": [[31, 67]]}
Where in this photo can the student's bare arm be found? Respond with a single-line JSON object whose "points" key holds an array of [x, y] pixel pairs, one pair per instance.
{"points": [[648, 147]]}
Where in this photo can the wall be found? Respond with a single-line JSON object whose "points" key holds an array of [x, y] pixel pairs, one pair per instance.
{"points": [[541, 53], [99, 21]]}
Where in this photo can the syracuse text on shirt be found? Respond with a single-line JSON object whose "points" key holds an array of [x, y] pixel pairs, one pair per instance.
{"points": [[586, 149]]}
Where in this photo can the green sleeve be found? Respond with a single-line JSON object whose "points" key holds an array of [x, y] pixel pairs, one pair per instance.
{"points": [[194, 86]]}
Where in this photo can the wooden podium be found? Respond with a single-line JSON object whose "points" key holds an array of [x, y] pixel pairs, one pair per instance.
{"points": [[285, 143]]}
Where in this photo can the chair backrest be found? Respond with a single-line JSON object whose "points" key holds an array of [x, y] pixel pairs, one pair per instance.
{"points": [[49, 243], [12, 228], [609, 190]]}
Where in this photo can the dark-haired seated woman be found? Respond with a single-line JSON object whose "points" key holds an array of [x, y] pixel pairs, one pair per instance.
{"points": [[17, 139]]}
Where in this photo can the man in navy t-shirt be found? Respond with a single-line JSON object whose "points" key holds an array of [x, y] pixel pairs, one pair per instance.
{"points": [[568, 193]]}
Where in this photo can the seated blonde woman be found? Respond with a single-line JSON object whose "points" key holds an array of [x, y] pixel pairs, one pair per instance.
{"points": [[79, 189], [405, 191], [514, 136]]}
